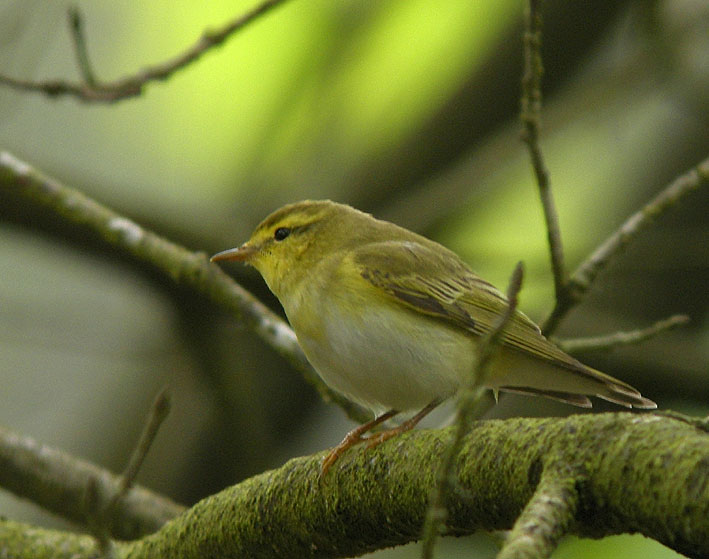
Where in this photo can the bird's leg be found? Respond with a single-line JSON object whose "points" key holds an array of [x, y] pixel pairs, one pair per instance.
{"points": [[352, 438], [407, 425]]}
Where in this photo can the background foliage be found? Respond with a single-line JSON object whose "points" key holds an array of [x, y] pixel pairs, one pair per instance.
{"points": [[407, 109]]}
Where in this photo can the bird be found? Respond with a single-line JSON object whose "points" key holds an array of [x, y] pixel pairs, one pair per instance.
{"points": [[392, 320]]}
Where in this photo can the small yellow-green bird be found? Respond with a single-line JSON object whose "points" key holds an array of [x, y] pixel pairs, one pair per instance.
{"points": [[392, 319]]}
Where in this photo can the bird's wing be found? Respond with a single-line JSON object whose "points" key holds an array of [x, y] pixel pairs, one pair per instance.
{"points": [[434, 281]]}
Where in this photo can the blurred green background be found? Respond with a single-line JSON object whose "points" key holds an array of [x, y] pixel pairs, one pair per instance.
{"points": [[407, 109]]}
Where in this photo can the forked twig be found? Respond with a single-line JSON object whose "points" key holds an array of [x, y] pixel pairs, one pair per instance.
{"points": [[91, 90], [582, 279], [101, 508]]}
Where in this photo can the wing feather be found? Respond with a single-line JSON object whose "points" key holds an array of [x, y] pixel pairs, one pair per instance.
{"points": [[435, 281]]}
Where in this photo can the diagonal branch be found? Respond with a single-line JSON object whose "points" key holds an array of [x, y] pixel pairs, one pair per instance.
{"points": [[604, 343], [102, 512], [582, 279], [90, 90], [183, 266], [546, 518], [57, 482]]}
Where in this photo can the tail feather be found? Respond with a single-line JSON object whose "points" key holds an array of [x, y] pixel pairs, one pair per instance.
{"points": [[571, 382], [575, 399]]}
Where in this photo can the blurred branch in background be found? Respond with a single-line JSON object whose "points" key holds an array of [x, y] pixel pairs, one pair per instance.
{"points": [[76, 26], [604, 343], [183, 266], [93, 90], [58, 482], [582, 278], [531, 115]]}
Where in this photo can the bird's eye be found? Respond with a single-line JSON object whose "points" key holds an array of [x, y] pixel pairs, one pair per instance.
{"points": [[281, 233]]}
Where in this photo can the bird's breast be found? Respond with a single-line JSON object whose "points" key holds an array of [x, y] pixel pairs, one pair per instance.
{"points": [[380, 353]]}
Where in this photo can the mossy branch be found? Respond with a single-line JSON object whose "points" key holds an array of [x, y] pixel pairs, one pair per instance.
{"points": [[547, 516], [590, 472]]}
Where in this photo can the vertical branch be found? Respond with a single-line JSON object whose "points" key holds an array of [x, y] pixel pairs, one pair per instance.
{"points": [[468, 402], [100, 508], [76, 25], [531, 104]]}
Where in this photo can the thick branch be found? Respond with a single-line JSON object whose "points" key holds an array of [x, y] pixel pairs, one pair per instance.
{"points": [[181, 265], [91, 90], [624, 473], [58, 482]]}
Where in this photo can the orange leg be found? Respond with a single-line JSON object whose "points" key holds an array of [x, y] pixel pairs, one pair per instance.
{"points": [[407, 425], [355, 436], [352, 438]]}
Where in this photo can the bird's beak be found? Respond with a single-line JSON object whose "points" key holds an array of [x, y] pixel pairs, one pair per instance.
{"points": [[240, 254]]}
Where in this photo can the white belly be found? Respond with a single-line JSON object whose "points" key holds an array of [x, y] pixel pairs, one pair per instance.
{"points": [[387, 359]]}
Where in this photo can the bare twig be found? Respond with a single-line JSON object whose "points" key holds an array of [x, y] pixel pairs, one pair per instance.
{"points": [[604, 343], [131, 86], [467, 402], [582, 279], [95, 519], [101, 509], [156, 416], [531, 119], [179, 264], [76, 25]]}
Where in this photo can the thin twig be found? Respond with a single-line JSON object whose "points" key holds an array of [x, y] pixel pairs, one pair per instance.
{"points": [[582, 279], [76, 26], [468, 400], [132, 86], [158, 412], [611, 341], [100, 509], [531, 118], [95, 520]]}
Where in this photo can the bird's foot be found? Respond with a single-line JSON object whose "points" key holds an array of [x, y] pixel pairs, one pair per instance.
{"points": [[351, 439]]}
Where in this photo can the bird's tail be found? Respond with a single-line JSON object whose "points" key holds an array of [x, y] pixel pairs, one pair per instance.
{"points": [[572, 382]]}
